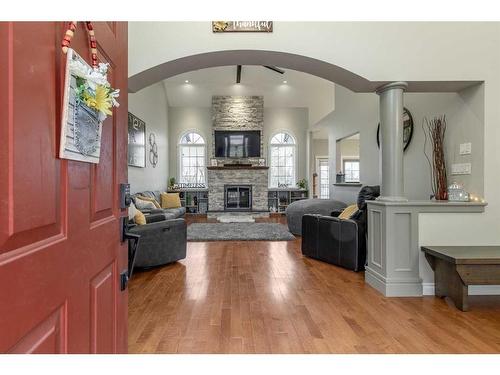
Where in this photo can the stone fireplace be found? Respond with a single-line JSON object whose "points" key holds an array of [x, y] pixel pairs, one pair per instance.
{"points": [[237, 197], [237, 113], [237, 184], [222, 177]]}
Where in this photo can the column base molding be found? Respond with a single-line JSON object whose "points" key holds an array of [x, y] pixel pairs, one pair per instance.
{"points": [[393, 249], [393, 287]]}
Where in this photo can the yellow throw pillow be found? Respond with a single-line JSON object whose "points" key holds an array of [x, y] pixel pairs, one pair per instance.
{"points": [[157, 205], [139, 218], [349, 211], [170, 200]]}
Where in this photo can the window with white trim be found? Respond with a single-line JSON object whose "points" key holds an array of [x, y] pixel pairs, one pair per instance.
{"points": [[192, 150], [351, 170], [282, 164]]}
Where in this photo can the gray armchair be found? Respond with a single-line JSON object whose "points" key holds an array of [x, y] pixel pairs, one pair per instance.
{"points": [[162, 241]]}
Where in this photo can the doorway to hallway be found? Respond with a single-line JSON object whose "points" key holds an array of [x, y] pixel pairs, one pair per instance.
{"points": [[323, 171]]}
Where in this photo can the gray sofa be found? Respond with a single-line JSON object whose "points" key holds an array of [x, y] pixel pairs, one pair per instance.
{"points": [[162, 241], [163, 237], [169, 213], [297, 209]]}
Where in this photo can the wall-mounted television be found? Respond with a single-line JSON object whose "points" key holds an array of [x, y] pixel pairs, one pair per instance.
{"points": [[237, 144]]}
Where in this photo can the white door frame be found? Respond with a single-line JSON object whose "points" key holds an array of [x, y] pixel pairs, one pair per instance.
{"points": [[317, 171]]}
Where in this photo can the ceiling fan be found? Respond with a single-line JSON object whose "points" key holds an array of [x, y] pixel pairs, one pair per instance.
{"points": [[273, 68]]}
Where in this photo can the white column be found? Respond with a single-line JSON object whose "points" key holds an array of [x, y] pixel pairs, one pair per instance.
{"points": [[391, 141]]}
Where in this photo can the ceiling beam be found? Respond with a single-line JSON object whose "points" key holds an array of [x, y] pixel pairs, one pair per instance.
{"points": [[275, 69], [238, 73]]}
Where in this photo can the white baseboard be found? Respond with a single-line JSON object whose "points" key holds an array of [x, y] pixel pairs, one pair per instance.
{"points": [[428, 289], [474, 290], [484, 290], [393, 287]]}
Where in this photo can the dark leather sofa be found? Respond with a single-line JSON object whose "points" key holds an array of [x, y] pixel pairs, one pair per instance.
{"points": [[341, 242]]}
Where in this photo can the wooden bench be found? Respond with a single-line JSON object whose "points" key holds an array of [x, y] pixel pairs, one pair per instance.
{"points": [[457, 267]]}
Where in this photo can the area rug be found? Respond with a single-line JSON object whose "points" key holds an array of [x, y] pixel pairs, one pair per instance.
{"points": [[238, 232]]}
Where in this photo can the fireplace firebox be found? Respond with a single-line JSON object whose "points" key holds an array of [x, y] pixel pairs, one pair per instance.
{"points": [[237, 197]]}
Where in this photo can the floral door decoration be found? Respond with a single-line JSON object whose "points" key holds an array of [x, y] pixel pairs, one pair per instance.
{"points": [[88, 101]]}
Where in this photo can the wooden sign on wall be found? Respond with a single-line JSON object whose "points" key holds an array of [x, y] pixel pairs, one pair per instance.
{"points": [[242, 26]]}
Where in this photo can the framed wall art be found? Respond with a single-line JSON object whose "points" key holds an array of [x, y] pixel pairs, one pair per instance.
{"points": [[242, 26], [136, 142]]}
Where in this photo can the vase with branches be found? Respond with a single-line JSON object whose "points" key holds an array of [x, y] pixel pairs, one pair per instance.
{"points": [[434, 132]]}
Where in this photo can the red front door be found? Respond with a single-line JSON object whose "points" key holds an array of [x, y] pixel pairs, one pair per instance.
{"points": [[60, 252]]}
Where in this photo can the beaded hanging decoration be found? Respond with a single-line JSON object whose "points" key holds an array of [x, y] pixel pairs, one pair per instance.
{"points": [[88, 100], [70, 32]]}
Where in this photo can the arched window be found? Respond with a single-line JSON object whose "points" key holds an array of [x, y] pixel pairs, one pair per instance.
{"points": [[192, 158], [282, 160]]}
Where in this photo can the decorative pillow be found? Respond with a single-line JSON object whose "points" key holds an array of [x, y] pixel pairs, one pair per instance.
{"points": [[139, 218], [132, 210], [349, 211], [170, 200], [144, 204], [157, 205]]}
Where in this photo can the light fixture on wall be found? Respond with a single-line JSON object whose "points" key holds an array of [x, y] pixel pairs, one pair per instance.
{"points": [[285, 82], [186, 81]]}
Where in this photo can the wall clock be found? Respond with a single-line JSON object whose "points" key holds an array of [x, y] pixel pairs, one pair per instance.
{"points": [[407, 129]]}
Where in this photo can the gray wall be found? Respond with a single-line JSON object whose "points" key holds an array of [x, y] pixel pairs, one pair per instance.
{"points": [[359, 112], [182, 119], [466, 124], [150, 105], [320, 147], [346, 148], [294, 120]]}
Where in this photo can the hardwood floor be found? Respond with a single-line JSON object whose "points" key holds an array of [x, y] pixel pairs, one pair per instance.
{"points": [[264, 297]]}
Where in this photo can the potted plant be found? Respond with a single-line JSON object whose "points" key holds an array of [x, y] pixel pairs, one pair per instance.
{"points": [[302, 184], [171, 183]]}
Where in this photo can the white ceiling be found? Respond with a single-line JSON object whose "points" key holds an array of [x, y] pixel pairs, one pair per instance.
{"points": [[301, 89]]}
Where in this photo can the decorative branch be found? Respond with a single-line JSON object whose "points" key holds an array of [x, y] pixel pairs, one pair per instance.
{"points": [[434, 131]]}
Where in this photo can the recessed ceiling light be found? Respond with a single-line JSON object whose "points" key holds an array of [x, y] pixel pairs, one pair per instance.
{"points": [[285, 82], [186, 81]]}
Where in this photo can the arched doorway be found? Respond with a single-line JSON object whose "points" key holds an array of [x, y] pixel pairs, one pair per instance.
{"points": [[300, 63]]}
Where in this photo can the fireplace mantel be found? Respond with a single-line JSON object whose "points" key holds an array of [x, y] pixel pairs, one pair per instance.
{"points": [[236, 166]]}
